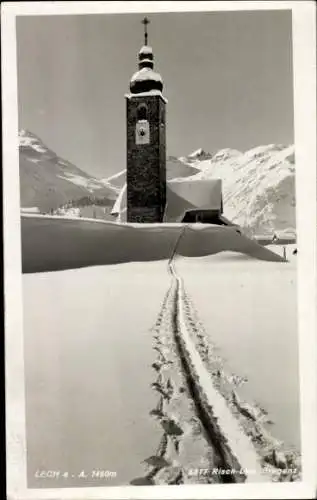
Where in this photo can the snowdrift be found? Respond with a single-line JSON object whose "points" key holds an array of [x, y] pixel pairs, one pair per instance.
{"points": [[53, 243]]}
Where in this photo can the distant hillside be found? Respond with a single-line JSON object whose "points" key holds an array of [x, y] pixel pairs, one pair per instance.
{"points": [[91, 207], [48, 181]]}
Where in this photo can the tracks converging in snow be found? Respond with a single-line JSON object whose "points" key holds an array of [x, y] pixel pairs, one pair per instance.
{"points": [[208, 434]]}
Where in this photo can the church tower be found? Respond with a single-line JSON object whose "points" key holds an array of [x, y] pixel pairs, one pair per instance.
{"points": [[146, 138]]}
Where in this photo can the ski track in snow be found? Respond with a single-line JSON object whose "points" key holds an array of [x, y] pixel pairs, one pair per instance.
{"points": [[207, 437]]}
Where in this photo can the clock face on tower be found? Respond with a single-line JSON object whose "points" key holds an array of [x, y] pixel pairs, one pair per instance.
{"points": [[142, 132]]}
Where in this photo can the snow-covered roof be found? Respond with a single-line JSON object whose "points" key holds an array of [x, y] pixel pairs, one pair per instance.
{"points": [[202, 194], [146, 74], [121, 202], [146, 49], [145, 79]]}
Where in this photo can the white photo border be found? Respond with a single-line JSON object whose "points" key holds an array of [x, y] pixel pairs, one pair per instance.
{"points": [[304, 79]]}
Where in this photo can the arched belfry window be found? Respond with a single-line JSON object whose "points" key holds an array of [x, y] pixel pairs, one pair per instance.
{"points": [[142, 112]]}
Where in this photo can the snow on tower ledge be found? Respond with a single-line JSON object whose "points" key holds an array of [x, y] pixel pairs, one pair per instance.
{"points": [[146, 94]]}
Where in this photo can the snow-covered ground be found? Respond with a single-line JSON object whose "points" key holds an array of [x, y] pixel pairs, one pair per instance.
{"points": [[68, 212], [248, 309], [90, 352], [30, 210], [86, 328], [88, 355]]}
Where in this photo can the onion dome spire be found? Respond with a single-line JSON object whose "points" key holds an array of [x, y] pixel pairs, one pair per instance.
{"points": [[146, 79]]}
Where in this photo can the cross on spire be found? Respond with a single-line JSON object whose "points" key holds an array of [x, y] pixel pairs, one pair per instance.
{"points": [[145, 22]]}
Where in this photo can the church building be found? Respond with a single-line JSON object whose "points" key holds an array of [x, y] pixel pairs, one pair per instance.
{"points": [[149, 194], [146, 138]]}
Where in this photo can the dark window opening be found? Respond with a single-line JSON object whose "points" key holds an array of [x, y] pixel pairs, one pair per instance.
{"points": [[142, 112], [203, 216]]}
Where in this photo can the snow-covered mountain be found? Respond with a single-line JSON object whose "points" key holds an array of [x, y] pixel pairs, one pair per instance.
{"points": [[48, 181], [199, 154], [258, 186]]}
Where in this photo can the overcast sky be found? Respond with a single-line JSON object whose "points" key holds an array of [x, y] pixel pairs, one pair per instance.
{"points": [[227, 77]]}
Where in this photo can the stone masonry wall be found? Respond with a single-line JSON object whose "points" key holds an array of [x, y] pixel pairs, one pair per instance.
{"points": [[146, 163]]}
